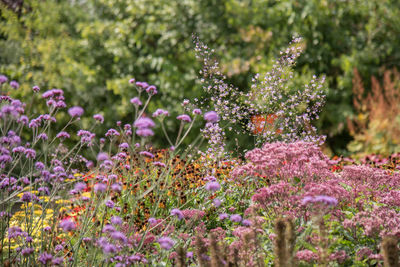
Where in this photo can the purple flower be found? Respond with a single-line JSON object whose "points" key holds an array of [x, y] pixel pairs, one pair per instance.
{"points": [[18, 149], [57, 261], [166, 243], [136, 101], [45, 258], [211, 116], [109, 248], [142, 123], [189, 254], [36, 89], [160, 112], [213, 186], [75, 111], [146, 154], [177, 213], [3, 79], [108, 228], [80, 186], [246, 222], [30, 153], [102, 156], [28, 197], [152, 221], [326, 200], [14, 84], [132, 80], [99, 118], [116, 187], [42, 136], [27, 251], [100, 188], [145, 132], [217, 202], [184, 117], [159, 164], [110, 204], [63, 135], [67, 225], [142, 85], [124, 146], [236, 218], [329, 201], [151, 90], [197, 111], [223, 216], [116, 220], [119, 236], [112, 132]]}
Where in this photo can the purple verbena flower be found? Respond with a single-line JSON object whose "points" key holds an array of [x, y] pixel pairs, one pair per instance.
{"points": [[177, 213], [144, 132], [211, 116], [223, 216], [112, 132], [67, 225], [151, 90], [14, 84], [45, 258], [110, 204], [100, 188], [116, 220], [36, 89], [236, 218], [197, 111], [75, 111], [146, 154], [142, 123], [213, 186], [184, 118], [102, 156], [3, 79], [160, 112], [136, 101], [63, 135], [166, 243], [99, 118]]}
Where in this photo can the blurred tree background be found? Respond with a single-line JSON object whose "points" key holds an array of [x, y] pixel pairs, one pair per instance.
{"points": [[91, 48]]}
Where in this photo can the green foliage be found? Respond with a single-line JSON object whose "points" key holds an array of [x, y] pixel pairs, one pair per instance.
{"points": [[91, 48]]}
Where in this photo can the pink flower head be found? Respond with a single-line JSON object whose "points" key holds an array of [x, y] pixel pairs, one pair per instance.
{"points": [[211, 116], [142, 123], [136, 101], [36, 89], [142, 85], [184, 118], [197, 111], [160, 112], [67, 225], [99, 118], [177, 213], [145, 132], [102, 156], [213, 186], [166, 243], [14, 84], [132, 80], [151, 90], [75, 111]]}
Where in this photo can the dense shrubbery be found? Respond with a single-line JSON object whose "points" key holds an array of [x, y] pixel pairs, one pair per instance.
{"points": [[127, 202]]}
